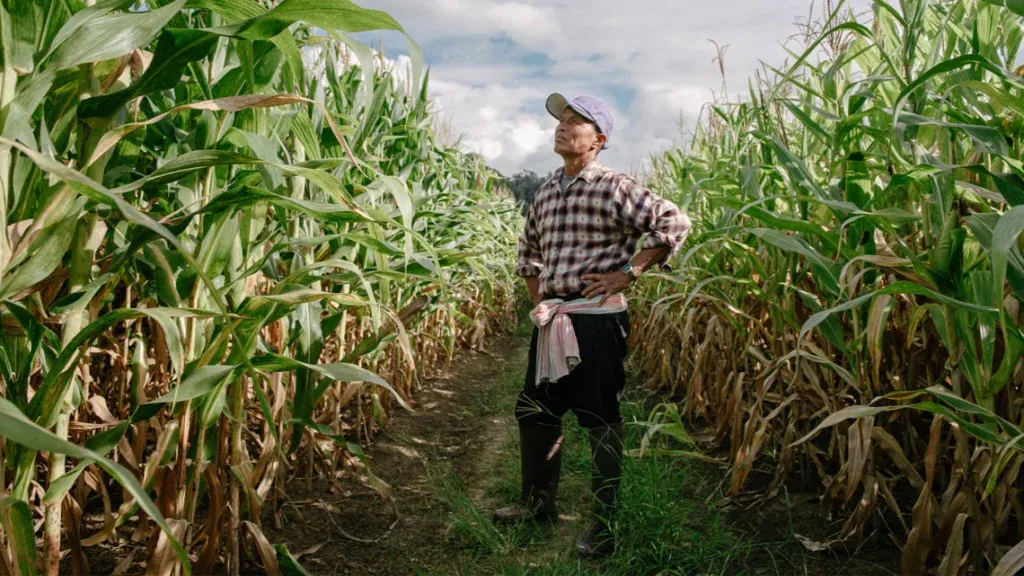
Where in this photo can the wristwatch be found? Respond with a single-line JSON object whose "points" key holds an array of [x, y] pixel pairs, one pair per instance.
{"points": [[628, 270]]}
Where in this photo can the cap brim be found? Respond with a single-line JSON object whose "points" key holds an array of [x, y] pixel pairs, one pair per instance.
{"points": [[556, 104]]}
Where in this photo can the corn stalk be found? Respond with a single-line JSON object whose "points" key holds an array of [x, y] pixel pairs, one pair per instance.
{"points": [[859, 215], [267, 275]]}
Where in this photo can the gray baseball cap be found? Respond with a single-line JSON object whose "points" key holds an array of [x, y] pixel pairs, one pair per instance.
{"points": [[591, 108]]}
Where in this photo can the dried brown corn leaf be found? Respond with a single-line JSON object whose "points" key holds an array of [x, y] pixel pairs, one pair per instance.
{"points": [[266, 552], [919, 541], [854, 525], [124, 565], [858, 450], [1012, 563], [213, 528], [895, 451], [953, 558], [818, 546], [164, 561], [890, 501], [876, 326]]}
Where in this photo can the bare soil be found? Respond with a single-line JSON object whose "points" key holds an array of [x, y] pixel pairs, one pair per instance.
{"points": [[773, 529]]}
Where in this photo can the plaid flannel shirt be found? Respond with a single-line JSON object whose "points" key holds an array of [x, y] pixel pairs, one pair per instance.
{"points": [[593, 227]]}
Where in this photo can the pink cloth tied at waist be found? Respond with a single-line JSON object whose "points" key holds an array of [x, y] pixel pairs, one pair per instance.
{"points": [[558, 351]]}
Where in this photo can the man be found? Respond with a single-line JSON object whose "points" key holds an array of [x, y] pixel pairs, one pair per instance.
{"points": [[579, 245]]}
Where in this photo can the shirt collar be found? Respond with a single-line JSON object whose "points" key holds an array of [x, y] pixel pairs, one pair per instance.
{"points": [[588, 173]]}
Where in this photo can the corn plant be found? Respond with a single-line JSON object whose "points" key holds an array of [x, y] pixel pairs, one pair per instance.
{"points": [[230, 246], [858, 216]]}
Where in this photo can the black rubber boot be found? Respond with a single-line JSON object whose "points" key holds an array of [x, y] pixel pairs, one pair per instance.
{"points": [[606, 450], [540, 458]]}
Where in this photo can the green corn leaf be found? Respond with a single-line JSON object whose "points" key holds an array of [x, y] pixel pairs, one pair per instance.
{"points": [[340, 372], [22, 537], [178, 48], [20, 430], [807, 121], [109, 35], [778, 222], [44, 256], [946, 67], [17, 35], [792, 244], [985, 138], [186, 164], [217, 243], [310, 343], [202, 381], [895, 288], [1016, 6], [306, 295], [1004, 238], [398, 190], [83, 17], [175, 49], [30, 93], [1009, 184], [101, 443], [45, 405], [287, 563]]}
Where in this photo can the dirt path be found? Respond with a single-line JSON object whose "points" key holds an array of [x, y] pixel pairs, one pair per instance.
{"points": [[456, 459], [453, 437]]}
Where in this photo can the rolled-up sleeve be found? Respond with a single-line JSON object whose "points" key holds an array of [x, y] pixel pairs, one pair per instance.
{"points": [[529, 263], [643, 212]]}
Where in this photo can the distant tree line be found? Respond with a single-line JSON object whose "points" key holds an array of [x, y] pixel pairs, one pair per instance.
{"points": [[524, 185]]}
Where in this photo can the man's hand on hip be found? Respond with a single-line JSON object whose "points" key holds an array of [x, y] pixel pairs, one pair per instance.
{"points": [[605, 284]]}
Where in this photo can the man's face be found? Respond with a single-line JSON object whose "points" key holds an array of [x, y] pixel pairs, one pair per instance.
{"points": [[575, 135]]}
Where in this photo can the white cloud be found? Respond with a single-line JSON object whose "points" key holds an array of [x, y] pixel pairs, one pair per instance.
{"points": [[494, 120], [529, 137], [495, 61], [526, 24]]}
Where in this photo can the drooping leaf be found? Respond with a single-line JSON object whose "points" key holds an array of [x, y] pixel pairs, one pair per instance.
{"points": [[175, 49], [111, 34], [20, 430], [22, 538], [201, 382]]}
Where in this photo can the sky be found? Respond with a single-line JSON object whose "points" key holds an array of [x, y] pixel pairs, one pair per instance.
{"points": [[494, 62]]}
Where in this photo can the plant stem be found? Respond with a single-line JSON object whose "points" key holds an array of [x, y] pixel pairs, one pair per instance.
{"points": [[82, 255], [237, 408], [8, 82], [188, 498], [85, 245]]}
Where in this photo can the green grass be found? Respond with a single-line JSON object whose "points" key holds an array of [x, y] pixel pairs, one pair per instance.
{"points": [[663, 526]]}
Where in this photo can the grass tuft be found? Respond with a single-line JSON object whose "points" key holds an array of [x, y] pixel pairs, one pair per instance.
{"points": [[663, 525]]}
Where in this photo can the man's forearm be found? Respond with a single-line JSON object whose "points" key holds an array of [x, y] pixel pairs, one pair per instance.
{"points": [[648, 257], [533, 284]]}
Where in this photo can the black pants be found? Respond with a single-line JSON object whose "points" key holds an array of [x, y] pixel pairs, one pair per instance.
{"points": [[592, 389]]}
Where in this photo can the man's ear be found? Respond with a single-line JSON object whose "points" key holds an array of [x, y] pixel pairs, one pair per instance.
{"points": [[602, 139]]}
